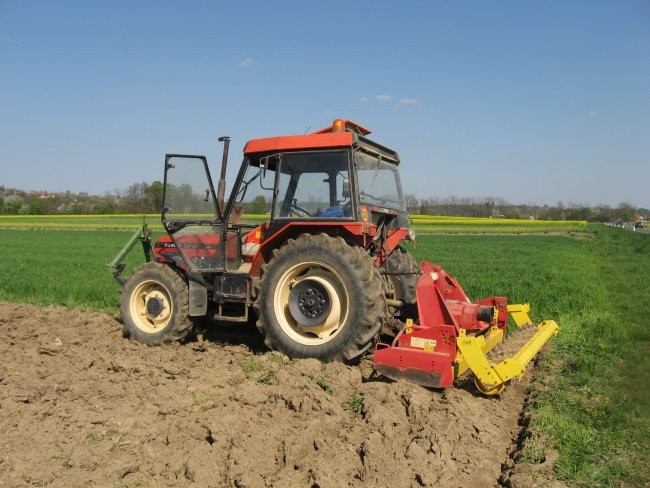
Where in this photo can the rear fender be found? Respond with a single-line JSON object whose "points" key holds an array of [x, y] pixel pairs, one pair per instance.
{"points": [[276, 236]]}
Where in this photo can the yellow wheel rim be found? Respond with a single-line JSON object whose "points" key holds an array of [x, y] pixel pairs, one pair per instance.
{"points": [[330, 324], [151, 307]]}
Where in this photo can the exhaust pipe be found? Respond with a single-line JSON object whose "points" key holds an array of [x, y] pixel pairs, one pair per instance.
{"points": [[221, 187]]}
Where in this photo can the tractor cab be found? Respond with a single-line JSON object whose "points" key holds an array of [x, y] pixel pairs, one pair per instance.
{"points": [[333, 174], [334, 181]]}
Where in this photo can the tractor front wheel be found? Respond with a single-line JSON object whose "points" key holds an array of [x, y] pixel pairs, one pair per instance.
{"points": [[154, 305], [320, 298]]}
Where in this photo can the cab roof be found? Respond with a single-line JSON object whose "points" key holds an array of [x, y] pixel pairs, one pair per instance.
{"points": [[342, 133]]}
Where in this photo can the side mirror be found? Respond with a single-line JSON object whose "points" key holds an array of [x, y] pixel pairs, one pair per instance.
{"points": [[266, 163], [345, 189]]}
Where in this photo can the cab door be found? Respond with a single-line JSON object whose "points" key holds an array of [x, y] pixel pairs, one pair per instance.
{"points": [[191, 219]]}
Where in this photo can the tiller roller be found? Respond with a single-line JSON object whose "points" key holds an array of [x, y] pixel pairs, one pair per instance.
{"points": [[451, 335]]}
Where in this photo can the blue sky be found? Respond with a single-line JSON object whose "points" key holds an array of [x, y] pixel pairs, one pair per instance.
{"points": [[533, 102]]}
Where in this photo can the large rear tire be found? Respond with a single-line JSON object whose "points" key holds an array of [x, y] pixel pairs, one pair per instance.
{"points": [[321, 298], [154, 305], [403, 285]]}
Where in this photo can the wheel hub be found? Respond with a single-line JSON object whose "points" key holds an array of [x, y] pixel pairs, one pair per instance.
{"points": [[309, 303], [155, 306]]}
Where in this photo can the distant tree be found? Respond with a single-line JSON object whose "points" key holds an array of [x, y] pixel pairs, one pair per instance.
{"points": [[29, 209], [154, 196], [258, 205], [77, 208], [412, 203], [577, 212], [603, 213], [134, 199], [626, 211], [12, 204], [104, 206]]}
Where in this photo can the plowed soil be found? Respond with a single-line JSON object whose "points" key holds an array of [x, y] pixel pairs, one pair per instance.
{"points": [[80, 405]]}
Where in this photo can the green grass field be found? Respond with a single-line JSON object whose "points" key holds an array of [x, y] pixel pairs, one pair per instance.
{"points": [[592, 397]]}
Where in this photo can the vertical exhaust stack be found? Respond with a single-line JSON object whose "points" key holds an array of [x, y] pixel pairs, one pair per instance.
{"points": [[221, 187]]}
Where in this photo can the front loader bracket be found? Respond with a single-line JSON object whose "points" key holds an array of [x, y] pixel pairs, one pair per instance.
{"points": [[117, 266]]}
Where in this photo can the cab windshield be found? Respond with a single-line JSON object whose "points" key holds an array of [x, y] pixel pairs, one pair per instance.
{"points": [[307, 185]]}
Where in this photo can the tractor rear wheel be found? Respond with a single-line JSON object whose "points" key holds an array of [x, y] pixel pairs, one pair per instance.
{"points": [[154, 305], [403, 285], [320, 298]]}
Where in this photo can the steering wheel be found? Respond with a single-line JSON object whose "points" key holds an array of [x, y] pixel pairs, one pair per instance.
{"points": [[299, 211]]}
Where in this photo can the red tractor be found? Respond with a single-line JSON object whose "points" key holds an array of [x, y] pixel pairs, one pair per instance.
{"points": [[324, 275]]}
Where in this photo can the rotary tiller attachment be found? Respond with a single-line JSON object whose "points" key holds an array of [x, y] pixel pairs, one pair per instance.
{"points": [[451, 335]]}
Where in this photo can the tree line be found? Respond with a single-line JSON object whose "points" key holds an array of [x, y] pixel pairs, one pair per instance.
{"points": [[496, 207], [146, 198], [137, 198]]}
